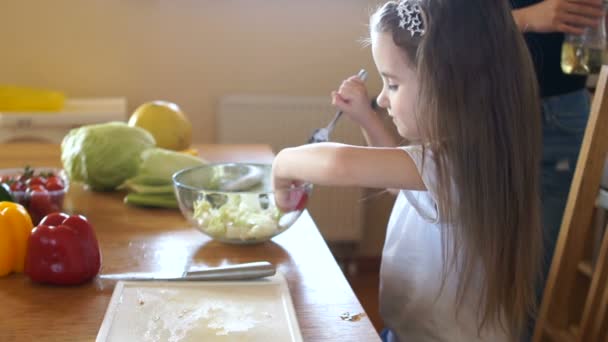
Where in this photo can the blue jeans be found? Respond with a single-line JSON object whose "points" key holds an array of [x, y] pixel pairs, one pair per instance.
{"points": [[564, 121], [387, 335]]}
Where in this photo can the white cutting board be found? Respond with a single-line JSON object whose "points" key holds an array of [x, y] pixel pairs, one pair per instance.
{"points": [[259, 310]]}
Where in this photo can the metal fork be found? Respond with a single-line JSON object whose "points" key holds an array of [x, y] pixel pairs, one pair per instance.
{"points": [[322, 134]]}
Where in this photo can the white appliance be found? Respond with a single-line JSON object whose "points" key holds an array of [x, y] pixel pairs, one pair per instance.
{"points": [[53, 126]]}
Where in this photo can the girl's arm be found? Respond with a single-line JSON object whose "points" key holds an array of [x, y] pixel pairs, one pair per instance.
{"points": [[559, 16], [353, 100], [346, 165]]}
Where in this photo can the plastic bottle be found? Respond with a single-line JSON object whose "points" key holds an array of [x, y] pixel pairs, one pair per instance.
{"points": [[584, 54]]}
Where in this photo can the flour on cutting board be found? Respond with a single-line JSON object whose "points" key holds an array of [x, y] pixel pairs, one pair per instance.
{"points": [[155, 312]]}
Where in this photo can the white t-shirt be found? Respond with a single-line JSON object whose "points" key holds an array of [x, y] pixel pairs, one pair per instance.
{"points": [[412, 303]]}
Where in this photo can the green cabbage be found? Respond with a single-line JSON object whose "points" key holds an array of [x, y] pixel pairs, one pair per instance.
{"points": [[103, 156]]}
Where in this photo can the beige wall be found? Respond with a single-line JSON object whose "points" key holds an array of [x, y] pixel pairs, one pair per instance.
{"points": [[186, 51]]}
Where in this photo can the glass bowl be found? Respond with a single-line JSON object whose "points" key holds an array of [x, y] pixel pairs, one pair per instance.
{"points": [[235, 203], [41, 190]]}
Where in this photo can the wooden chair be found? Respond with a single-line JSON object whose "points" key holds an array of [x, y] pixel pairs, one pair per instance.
{"points": [[575, 300]]}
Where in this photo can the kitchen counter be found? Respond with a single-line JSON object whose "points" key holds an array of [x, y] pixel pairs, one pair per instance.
{"points": [[161, 241]]}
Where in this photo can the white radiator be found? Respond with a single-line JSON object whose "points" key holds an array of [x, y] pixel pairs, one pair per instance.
{"points": [[283, 121]]}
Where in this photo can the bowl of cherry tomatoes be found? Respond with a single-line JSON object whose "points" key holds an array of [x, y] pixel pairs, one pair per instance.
{"points": [[40, 190]]}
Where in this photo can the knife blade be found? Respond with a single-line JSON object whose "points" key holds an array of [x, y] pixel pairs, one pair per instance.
{"points": [[246, 271]]}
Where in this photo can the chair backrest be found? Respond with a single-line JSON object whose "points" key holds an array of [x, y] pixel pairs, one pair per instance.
{"points": [[575, 299]]}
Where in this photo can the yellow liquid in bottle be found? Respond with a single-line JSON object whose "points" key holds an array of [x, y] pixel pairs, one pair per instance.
{"points": [[581, 60]]}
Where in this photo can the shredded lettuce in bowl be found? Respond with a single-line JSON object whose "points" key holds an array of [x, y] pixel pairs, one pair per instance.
{"points": [[237, 217]]}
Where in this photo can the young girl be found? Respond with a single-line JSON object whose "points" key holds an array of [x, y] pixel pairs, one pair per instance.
{"points": [[462, 251]]}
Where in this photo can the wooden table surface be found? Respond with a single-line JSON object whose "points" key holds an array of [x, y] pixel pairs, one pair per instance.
{"points": [[151, 240]]}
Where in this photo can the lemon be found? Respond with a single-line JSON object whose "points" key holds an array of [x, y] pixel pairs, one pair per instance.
{"points": [[166, 122]]}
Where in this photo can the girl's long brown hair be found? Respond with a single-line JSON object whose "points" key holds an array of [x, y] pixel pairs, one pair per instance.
{"points": [[479, 114]]}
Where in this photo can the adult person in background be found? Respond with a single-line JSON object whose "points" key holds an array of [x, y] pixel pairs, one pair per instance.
{"points": [[565, 99]]}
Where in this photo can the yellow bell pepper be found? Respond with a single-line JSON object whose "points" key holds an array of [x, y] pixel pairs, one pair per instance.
{"points": [[15, 228]]}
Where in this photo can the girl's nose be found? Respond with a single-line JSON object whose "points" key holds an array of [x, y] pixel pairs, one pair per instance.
{"points": [[382, 100]]}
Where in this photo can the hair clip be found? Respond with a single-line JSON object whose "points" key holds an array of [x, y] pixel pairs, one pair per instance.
{"points": [[410, 12]]}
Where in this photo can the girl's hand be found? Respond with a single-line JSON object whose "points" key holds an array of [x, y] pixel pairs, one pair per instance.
{"points": [[281, 195], [352, 99], [285, 196], [291, 196], [568, 16]]}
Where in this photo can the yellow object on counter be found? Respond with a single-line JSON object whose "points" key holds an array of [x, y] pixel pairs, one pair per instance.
{"points": [[23, 99], [166, 122], [190, 151], [15, 228]]}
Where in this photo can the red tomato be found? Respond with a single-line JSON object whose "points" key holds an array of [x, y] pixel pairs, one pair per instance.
{"points": [[37, 180], [54, 183], [40, 205], [18, 186], [6, 179], [35, 187]]}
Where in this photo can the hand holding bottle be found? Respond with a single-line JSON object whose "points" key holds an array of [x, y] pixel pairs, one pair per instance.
{"points": [[566, 16], [584, 53]]}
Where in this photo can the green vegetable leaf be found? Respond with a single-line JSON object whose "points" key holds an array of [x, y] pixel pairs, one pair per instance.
{"points": [[103, 156]]}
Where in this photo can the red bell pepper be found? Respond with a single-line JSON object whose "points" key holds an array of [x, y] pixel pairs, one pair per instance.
{"points": [[63, 250]]}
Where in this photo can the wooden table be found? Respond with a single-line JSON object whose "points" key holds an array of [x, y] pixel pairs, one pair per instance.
{"points": [[151, 240]]}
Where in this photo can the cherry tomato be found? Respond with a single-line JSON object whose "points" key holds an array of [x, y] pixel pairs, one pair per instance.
{"points": [[40, 205], [6, 179], [54, 183], [37, 180], [18, 186], [35, 187]]}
